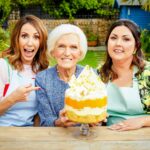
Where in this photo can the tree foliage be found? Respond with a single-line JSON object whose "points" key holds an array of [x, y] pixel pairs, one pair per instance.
{"points": [[6, 6], [145, 39], [59, 8], [5, 9], [70, 7]]}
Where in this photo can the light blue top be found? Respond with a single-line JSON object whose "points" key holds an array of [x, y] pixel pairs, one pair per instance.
{"points": [[21, 113], [124, 102]]}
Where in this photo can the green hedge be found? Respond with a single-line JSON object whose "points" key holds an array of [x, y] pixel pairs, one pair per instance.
{"points": [[4, 39], [145, 39]]}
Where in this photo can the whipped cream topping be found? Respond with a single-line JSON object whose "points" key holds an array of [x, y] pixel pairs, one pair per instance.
{"points": [[87, 110], [87, 86]]}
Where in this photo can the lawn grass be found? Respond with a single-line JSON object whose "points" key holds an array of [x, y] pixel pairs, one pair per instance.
{"points": [[93, 58]]}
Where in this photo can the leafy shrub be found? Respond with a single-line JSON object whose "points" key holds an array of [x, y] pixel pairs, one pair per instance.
{"points": [[91, 36], [4, 39], [145, 39]]}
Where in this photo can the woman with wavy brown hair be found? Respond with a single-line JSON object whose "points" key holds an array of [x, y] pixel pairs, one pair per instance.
{"points": [[26, 56], [127, 76]]}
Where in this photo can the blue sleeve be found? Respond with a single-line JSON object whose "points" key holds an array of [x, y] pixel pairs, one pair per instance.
{"points": [[45, 111]]}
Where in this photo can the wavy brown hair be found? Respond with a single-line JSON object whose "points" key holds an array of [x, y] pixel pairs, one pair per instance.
{"points": [[40, 61], [105, 71]]}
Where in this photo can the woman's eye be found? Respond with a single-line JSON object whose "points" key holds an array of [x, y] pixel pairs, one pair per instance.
{"points": [[24, 36], [113, 38], [61, 46], [126, 39], [36, 37], [74, 47]]}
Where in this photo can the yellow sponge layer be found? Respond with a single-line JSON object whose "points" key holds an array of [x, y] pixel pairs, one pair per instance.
{"points": [[86, 119]]}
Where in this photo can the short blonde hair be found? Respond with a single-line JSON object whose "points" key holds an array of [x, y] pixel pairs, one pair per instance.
{"points": [[64, 29]]}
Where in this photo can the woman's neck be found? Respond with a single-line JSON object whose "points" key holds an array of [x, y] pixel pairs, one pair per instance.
{"points": [[124, 72], [65, 74], [119, 67]]}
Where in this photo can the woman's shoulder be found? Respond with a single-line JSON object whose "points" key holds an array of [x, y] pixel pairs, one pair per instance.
{"points": [[3, 64], [46, 73], [2, 61], [80, 67], [4, 70]]}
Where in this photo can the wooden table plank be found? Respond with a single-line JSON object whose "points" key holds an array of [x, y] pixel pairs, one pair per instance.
{"points": [[57, 138]]}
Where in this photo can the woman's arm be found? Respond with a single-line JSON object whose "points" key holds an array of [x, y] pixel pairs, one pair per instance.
{"points": [[45, 111], [131, 124], [146, 121], [5, 102], [19, 95]]}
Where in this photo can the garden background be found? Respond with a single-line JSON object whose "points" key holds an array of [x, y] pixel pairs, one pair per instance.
{"points": [[93, 16]]}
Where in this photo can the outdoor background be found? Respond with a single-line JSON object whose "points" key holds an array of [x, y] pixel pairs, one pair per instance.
{"points": [[93, 16]]}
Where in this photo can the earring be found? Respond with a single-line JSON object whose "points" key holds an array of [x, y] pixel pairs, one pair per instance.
{"points": [[134, 52]]}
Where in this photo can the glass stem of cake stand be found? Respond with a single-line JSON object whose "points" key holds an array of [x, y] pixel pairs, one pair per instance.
{"points": [[84, 129]]}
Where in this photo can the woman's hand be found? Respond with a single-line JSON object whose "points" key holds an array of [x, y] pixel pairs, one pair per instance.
{"points": [[21, 93], [129, 124], [63, 121]]}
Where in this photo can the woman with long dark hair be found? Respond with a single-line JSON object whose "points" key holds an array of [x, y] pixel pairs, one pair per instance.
{"points": [[127, 76]]}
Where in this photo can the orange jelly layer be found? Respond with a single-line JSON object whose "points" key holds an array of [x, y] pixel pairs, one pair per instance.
{"points": [[100, 102]]}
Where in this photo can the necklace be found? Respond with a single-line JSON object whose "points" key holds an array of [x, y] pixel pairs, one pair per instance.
{"points": [[65, 76]]}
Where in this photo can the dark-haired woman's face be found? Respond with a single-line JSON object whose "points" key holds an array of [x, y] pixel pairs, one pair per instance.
{"points": [[121, 44], [29, 42]]}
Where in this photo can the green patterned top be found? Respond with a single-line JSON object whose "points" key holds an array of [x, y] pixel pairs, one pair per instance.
{"points": [[144, 87]]}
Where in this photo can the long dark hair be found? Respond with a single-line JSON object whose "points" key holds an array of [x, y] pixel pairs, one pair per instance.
{"points": [[138, 58]]}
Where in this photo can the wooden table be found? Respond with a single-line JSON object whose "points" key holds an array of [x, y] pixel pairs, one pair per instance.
{"points": [[55, 138]]}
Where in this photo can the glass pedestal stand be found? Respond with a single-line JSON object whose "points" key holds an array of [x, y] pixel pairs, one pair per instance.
{"points": [[85, 132]]}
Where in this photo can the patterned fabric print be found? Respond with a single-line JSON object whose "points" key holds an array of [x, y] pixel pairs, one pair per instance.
{"points": [[144, 87]]}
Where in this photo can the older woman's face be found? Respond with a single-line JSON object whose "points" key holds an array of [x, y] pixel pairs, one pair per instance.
{"points": [[121, 44], [67, 51], [29, 42]]}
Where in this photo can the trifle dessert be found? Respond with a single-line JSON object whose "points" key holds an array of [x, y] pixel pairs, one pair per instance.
{"points": [[86, 99]]}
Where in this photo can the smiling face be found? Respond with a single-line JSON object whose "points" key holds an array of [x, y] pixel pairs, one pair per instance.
{"points": [[121, 44], [29, 42], [67, 51]]}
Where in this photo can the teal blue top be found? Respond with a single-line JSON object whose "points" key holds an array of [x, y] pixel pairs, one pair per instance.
{"points": [[124, 102]]}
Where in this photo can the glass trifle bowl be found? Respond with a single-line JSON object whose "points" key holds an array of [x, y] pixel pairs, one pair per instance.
{"points": [[86, 101]]}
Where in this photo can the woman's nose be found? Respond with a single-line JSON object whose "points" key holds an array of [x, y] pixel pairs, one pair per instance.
{"points": [[30, 41], [67, 51], [118, 41]]}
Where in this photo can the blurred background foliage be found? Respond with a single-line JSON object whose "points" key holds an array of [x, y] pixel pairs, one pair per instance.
{"points": [[59, 8]]}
